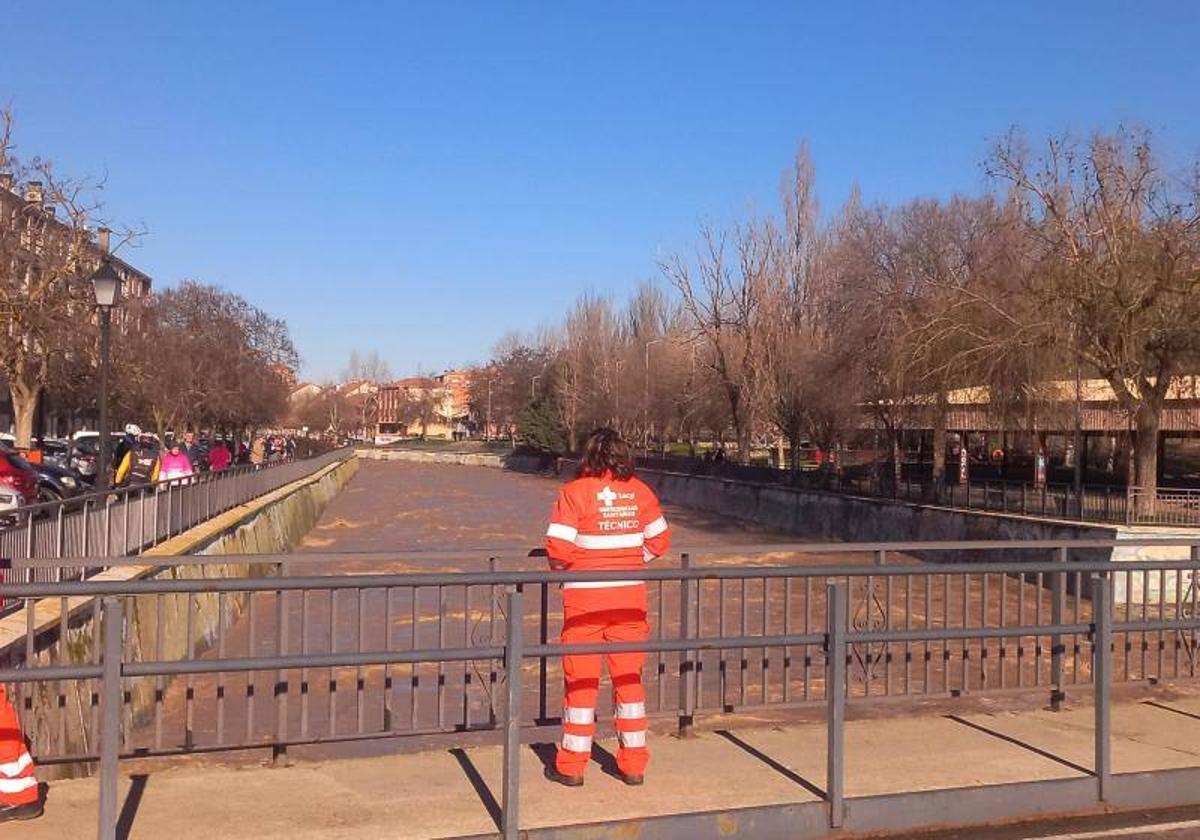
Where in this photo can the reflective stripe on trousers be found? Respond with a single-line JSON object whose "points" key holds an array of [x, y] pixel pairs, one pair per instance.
{"points": [[18, 786], [595, 616]]}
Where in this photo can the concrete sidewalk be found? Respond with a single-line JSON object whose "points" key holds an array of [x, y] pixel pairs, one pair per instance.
{"points": [[449, 793]]}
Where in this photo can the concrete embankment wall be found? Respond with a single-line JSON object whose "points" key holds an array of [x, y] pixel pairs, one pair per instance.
{"points": [[817, 514], [821, 515], [516, 463], [160, 627]]}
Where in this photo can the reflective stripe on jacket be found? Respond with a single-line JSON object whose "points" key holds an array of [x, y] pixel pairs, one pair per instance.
{"points": [[604, 524]]}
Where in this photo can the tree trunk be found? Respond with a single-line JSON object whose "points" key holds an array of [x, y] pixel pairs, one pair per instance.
{"points": [[741, 428], [938, 484], [793, 439], [743, 444], [1145, 456], [24, 402], [897, 460]]}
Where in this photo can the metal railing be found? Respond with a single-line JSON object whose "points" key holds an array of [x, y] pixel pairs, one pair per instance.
{"points": [[1164, 506], [181, 664], [129, 520], [1093, 503]]}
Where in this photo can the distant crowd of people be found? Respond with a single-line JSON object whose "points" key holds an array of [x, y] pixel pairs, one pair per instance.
{"points": [[140, 458]]}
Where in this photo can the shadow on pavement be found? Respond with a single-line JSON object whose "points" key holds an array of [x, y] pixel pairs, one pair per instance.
{"points": [[1017, 742], [133, 800], [786, 772], [481, 789], [1166, 708]]}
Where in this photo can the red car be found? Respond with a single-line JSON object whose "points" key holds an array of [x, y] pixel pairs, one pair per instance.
{"points": [[18, 483]]}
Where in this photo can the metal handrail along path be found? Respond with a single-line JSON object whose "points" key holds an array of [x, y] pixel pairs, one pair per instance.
{"points": [[129, 520], [812, 615]]}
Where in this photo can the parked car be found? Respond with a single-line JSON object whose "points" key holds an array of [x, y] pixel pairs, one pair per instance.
{"points": [[81, 457], [82, 454], [57, 483], [56, 452], [18, 485]]}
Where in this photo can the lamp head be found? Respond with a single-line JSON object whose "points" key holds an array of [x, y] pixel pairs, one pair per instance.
{"points": [[107, 285]]}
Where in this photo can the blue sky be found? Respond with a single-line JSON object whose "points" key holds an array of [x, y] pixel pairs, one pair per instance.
{"points": [[418, 179]]}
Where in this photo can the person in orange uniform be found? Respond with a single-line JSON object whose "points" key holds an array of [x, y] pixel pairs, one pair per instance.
{"points": [[604, 520], [19, 795]]}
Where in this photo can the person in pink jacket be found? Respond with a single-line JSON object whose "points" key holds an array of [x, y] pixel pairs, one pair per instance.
{"points": [[175, 464]]}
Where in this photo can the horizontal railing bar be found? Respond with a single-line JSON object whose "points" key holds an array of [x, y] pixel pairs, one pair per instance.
{"points": [[51, 672], [287, 663], [1163, 624], [423, 579], [521, 553], [227, 474], [337, 660], [316, 741], [951, 633], [941, 545], [670, 645], [22, 563]]}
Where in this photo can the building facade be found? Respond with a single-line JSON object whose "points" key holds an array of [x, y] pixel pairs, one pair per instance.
{"points": [[430, 407], [30, 234]]}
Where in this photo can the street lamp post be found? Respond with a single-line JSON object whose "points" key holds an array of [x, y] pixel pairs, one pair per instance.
{"points": [[487, 430], [107, 285], [646, 396]]}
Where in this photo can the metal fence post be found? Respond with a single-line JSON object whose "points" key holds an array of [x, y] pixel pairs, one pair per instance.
{"points": [[543, 638], [835, 699], [687, 674], [510, 813], [1058, 601], [1102, 677], [110, 720], [279, 750]]}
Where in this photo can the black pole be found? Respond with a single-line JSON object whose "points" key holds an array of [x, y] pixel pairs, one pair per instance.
{"points": [[1080, 446], [102, 445]]}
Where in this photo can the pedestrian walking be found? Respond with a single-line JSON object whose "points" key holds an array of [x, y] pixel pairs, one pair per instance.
{"points": [[122, 454], [219, 457], [194, 451], [175, 464], [20, 798], [604, 520], [141, 464], [258, 451]]}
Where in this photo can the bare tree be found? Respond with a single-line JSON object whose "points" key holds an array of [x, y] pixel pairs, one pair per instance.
{"points": [[1115, 247], [726, 298], [201, 356], [368, 367], [47, 253]]}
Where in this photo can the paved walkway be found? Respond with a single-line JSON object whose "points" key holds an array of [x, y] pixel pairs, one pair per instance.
{"points": [[448, 793]]}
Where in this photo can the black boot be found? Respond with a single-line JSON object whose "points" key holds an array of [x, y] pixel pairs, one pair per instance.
{"points": [[632, 779], [28, 811], [563, 779]]}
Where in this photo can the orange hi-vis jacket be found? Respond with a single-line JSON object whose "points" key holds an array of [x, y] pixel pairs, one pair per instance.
{"points": [[604, 524]]}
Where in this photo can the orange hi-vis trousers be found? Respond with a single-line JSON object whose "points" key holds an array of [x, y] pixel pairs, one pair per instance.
{"points": [[592, 616], [17, 783]]}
